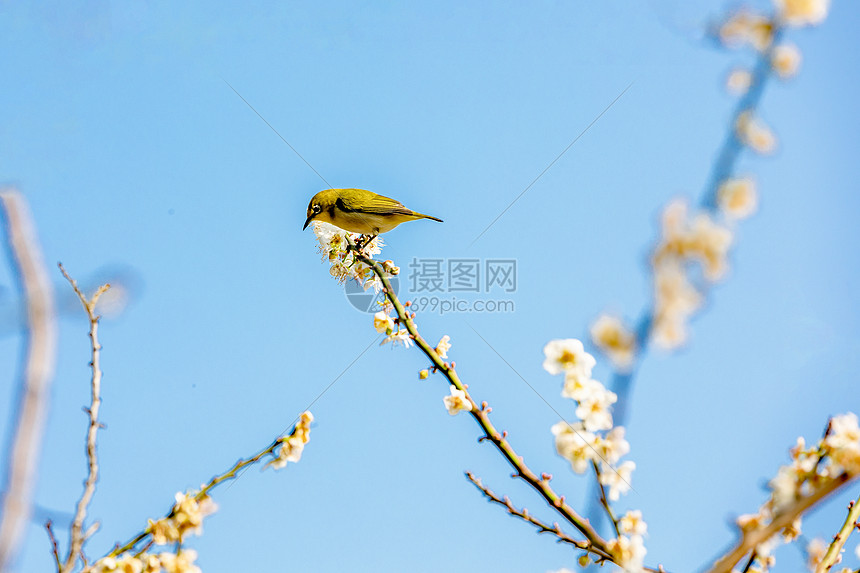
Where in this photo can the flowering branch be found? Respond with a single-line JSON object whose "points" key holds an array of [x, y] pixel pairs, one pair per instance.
{"points": [[750, 539], [524, 514], [721, 172], [77, 535], [726, 196], [176, 522], [39, 355], [852, 520], [815, 473], [481, 414]]}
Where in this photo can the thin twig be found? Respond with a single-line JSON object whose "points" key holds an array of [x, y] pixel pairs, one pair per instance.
{"points": [[77, 536], [55, 549], [523, 514], [852, 520], [754, 537], [603, 501], [38, 366], [481, 414]]}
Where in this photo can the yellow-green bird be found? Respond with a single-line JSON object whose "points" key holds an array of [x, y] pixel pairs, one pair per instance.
{"points": [[359, 211]]}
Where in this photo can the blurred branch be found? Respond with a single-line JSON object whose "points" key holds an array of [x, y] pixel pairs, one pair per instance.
{"points": [[77, 536], [481, 414], [38, 366], [752, 538], [723, 167], [852, 520]]}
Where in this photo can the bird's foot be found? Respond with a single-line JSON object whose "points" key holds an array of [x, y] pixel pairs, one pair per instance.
{"points": [[363, 241]]}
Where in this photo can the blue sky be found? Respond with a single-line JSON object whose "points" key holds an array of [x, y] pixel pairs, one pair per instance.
{"points": [[118, 126]]}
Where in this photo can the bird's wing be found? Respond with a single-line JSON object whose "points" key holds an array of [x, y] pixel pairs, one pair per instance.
{"points": [[372, 204]]}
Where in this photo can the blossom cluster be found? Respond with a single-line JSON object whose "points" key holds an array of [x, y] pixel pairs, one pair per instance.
{"points": [[833, 457], [334, 248], [394, 332], [293, 444], [180, 562], [746, 27], [593, 441], [700, 237], [582, 443], [185, 517], [345, 265], [615, 340], [699, 240], [628, 549]]}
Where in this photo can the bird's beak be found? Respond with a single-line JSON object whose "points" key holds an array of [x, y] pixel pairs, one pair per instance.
{"points": [[308, 222]]}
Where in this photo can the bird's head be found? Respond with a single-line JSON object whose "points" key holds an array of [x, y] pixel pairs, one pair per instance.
{"points": [[320, 203]]}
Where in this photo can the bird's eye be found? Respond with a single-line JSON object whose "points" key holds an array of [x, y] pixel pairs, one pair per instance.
{"points": [[317, 208]]}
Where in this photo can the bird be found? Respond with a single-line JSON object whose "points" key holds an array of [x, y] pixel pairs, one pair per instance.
{"points": [[360, 211]]}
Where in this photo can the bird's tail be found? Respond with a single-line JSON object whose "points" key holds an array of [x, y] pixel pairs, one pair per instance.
{"points": [[422, 216]]}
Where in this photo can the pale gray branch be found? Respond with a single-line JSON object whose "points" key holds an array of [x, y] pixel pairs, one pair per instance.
{"points": [[38, 367]]}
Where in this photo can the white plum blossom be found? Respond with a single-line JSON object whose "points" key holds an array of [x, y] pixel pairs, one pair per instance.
{"points": [[567, 356], [802, 12], [785, 60], [815, 551], [844, 442], [457, 402], [737, 198], [593, 409], [616, 341], [739, 81], [576, 445], [629, 552], [293, 444], [344, 265], [613, 446], [401, 336], [618, 479], [180, 562], [383, 323], [632, 523], [443, 347]]}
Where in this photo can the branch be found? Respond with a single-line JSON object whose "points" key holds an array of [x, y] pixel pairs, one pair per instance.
{"points": [[526, 516], [603, 501], [234, 472], [723, 167], [481, 415], [55, 550], [752, 538], [852, 520], [33, 391], [77, 536]]}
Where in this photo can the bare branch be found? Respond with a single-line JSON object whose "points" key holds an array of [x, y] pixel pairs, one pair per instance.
{"points": [[38, 366], [55, 549], [77, 536], [523, 514]]}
